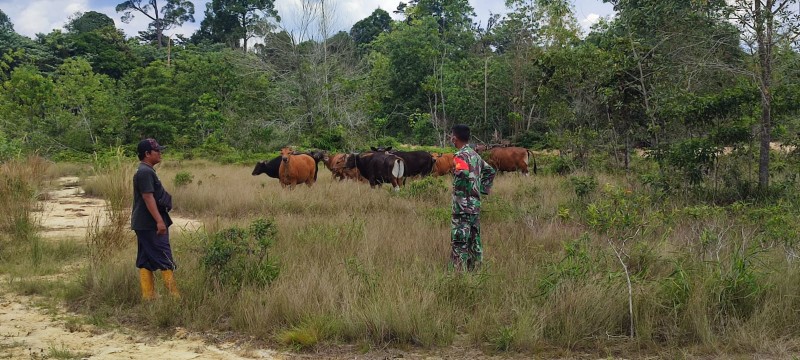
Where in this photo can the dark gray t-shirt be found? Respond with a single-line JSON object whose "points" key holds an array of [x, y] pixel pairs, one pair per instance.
{"points": [[146, 181]]}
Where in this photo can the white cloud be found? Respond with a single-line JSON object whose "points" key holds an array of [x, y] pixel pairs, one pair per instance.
{"points": [[342, 14], [590, 20], [41, 16]]}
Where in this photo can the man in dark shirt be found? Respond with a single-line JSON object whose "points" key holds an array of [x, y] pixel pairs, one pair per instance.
{"points": [[150, 221]]}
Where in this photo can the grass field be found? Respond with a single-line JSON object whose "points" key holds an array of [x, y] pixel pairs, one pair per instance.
{"points": [[349, 264]]}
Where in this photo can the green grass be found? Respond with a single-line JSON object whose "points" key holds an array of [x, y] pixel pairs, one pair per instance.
{"points": [[63, 353], [369, 267]]}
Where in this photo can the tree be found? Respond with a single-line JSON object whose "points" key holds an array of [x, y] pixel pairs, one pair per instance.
{"points": [[236, 21], [88, 21], [367, 29], [5, 22], [173, 13], [91, 113], [764, 24]]}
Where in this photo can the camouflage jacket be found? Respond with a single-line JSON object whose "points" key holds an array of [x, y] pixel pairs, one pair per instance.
{"points": [[471, 178]]}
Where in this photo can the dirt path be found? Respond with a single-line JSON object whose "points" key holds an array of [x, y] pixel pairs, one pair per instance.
{"points": [[28, 331], [66, 212]]}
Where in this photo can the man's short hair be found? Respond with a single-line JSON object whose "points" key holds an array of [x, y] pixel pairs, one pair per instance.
{"points": [[461, 132]]}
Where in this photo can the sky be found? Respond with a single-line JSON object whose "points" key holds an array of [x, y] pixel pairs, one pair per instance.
{"points": [[42, 16]]}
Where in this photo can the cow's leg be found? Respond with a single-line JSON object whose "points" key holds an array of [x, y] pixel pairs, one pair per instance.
{"points": [[396, 184]]}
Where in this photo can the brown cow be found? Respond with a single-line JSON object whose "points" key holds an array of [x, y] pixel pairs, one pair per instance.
{"points": [[511, 159], [296, 169], [335, 163], [443, 164]]}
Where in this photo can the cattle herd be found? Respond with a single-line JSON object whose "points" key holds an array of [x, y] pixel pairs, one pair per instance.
{"points": [[383, 165]]}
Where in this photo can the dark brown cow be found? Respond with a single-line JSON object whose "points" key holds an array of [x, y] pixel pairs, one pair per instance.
{"points": [[378, 167], [296, 169], [511, 159], [443, 164]]}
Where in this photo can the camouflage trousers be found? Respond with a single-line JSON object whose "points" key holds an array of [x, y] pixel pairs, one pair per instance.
{"points": [[465, 236]]}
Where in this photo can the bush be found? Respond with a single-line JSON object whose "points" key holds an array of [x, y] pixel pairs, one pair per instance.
{"points": [[583, 185], [562, 165], [426, 188], [183, 178], [237, 257]]}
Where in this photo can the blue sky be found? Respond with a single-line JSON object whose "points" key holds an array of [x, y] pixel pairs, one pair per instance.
{"points": [[41, 16]]}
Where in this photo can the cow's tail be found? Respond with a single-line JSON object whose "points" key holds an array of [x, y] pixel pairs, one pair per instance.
{"points": [[316, 170], [531, 156], [398, 169]]}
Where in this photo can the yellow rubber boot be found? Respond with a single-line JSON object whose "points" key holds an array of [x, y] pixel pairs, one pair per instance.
{"points": [[169, 282], [147, 281]]}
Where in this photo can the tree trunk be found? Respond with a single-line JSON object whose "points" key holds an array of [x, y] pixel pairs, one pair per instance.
{"points": [[159, 25], [764, 26]]}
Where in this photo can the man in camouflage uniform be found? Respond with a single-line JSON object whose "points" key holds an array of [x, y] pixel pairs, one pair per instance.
{"points": [[471, 178]]}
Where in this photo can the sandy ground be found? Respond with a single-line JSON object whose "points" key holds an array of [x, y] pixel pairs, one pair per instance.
{"points": [[66, 212], [28, 331]]}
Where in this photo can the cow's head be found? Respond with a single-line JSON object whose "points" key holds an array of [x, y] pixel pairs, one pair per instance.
{"points": [[350, 160], [285, 153], [261, 167], [317, 155], [380, 148]]}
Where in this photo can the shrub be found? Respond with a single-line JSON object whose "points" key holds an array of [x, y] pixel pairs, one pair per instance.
{"points": [[183, 178], [237, 257], [426, 188], [562, 165], [583, 185]]}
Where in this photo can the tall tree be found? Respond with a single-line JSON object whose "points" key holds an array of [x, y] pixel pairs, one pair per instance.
{"points": [[236, 21], [88, 21], [5, 22], [764, 24], [367, 29], [172, 13]]}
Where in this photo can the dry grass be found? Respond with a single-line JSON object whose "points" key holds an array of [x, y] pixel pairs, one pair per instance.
{"points": [[369, 266], [21, 183], [111, 179]]}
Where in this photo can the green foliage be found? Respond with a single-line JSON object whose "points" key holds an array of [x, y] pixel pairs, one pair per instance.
{"points": [[237, 257], [503, 339], [428, 188], [583, 185], [183, 178], [740, 287], [561, 165], [617, 211], [574, 265], [9, 148], [88, 21], [368, 29]]}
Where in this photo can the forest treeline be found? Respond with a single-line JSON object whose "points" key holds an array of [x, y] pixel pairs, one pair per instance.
{"points": [[686, 80]]}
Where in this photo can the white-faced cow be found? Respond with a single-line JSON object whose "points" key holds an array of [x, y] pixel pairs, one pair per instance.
{"points": [[378, 167]]}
